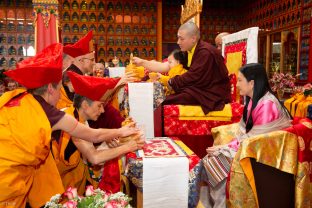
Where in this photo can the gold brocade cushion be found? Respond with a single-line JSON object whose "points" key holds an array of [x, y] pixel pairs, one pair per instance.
{"points": [[196, 111], [224, 134]]}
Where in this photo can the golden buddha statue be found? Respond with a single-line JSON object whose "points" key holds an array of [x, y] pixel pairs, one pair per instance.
{"points": [[66, 16], [75, 28], [3, 62], [101, 52], [2, 50], [84, 17], [101, 6], [75, 17], [2, 39], [75, 5], [101, 41], [119, 52], [12, 51], [92, 6], [20, 51], [92, 17], [83, 5], [101, 29]]}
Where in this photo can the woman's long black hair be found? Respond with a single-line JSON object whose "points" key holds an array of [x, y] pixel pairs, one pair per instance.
{"points": [[257, 73]]}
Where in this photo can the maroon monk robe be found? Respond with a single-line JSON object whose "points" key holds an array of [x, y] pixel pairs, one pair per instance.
{"points": [[110, 119], [206, 83]]}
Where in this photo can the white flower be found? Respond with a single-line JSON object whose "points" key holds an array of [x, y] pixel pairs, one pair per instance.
{"points": [[89, 191]]}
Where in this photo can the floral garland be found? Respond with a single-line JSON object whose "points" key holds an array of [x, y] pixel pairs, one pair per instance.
{"points": [[94, 198], [46, 10]]}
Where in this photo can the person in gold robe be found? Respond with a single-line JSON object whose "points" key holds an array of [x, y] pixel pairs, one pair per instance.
{"points": [[27, 117], [71, 153], [80, 59]]}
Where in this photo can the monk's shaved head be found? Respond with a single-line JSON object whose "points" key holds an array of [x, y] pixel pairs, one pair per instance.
{"points": [[191, 29], [218, 39]]}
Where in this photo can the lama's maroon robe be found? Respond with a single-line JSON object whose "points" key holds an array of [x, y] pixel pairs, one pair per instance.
{"points": [[206, 83]]}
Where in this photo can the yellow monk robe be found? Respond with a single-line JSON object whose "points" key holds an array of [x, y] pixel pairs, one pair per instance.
{"points": [[302, 107], [74, 171], [64, 101], [294, 104], [25, 157], [177, 70]]}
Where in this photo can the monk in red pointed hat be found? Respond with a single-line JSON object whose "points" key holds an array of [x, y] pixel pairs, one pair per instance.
{"points": [[88, 106], [27, 118], [83, 63], [79, 58], [82, 53]]}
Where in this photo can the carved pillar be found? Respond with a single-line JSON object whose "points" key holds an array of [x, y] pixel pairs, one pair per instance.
{"points": [[45, 23], [159, 31], [268, 54]]}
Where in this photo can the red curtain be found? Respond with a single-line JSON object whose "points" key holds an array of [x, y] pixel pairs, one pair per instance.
{"points": [[45, 34]]}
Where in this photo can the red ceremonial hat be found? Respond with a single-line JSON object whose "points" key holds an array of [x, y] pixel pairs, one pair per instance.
{"points": [[44, 68], [81, 47], [93, 88]]}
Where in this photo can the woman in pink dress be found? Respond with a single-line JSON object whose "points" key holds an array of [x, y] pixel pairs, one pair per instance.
{"points": [[262, 113]]}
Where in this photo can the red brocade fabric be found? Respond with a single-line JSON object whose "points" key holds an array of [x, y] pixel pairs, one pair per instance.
{"points": [[110, 181], [174, 126]]}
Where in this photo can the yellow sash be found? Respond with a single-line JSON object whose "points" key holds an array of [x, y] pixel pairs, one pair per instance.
{"points": [[64, 101]]}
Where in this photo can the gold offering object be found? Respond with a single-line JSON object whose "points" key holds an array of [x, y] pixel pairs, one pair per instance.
{"points": [[137, 70], [135, 137]]}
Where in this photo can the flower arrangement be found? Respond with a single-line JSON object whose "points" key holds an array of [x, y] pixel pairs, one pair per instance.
{"points": [[93, 199], [281, 81]]}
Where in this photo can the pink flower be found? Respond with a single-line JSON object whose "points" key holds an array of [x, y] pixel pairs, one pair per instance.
{"points": [[280, 80], [70, 204], [307, 86], [112, 204], [89, 191], [71, 193], [123, 203], [105, 197]]}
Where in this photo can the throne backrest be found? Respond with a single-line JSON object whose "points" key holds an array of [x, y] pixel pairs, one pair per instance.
{"points": [[238, 49]]}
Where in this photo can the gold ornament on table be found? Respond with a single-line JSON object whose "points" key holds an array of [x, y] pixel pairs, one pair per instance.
{"points": [[137, 70]]}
